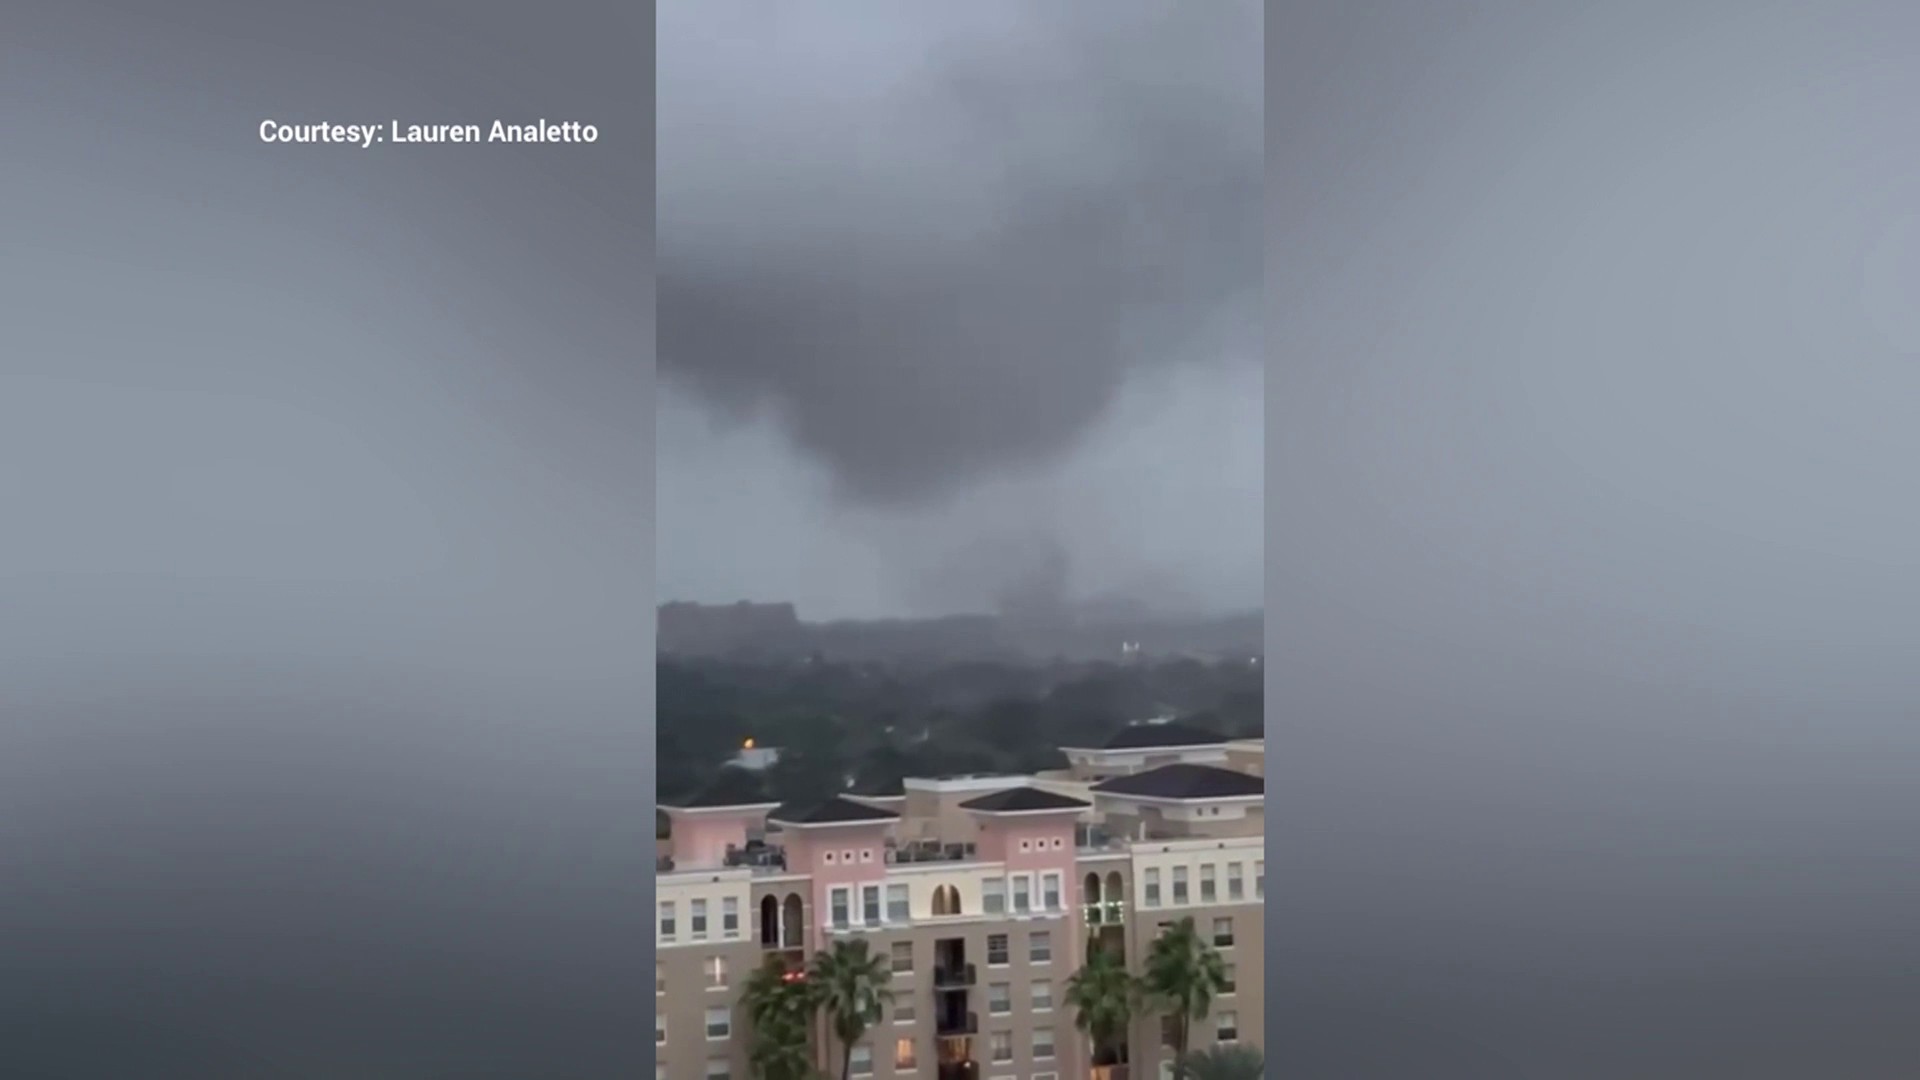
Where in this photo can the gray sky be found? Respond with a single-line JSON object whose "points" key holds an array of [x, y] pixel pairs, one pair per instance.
{"points": [[947, 291]]}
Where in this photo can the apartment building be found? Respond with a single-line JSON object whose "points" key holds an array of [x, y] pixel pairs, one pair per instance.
{"points": [[982, 893]]}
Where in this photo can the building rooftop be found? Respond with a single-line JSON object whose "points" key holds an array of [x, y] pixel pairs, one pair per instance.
{"points": [[1168, 734], [833, 811], [1022, 800], [1185, 781]]}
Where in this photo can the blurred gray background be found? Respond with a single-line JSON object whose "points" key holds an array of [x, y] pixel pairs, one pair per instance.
{"points": [[325, 536], [1593, 559]]}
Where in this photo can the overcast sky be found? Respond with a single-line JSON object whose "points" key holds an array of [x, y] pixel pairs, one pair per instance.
{"points": [[951, 294]]}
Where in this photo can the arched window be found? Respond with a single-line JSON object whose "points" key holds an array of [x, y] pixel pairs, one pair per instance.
{"points": [[769, 921], [946, 900], [792, 923]]}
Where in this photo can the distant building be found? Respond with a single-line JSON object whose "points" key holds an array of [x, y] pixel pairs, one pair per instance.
{"points": [[756, 758]]}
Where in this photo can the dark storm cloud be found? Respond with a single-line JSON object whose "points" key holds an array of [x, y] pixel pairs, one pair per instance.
{"points": [[933, 242]]}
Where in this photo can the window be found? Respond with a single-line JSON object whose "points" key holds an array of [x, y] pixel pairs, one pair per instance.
{"points": [[862, 1060], [717, 1069], [999, 999], [1207, 895], [668, 925], [1168, 1032], [719, 1022], [1236, 888], [659, 978], [1228, 984], [1002, 1044], [1222, 933], [699, 920], [839, 900], [1227, 1028], [1022, 894], [847, 857], [903, 1010], [730, 917], [870, 904], [716, 968], [1046, 1076], [1042, 995], [902, 957], [1040, 947], [659, 1071], [993, 896], [1043, 1044], [997, 949], [897, 908], [659, 1030], [1050, 891], [905, 1056], [1260, 878], [1151, 880], [1179, 884]]}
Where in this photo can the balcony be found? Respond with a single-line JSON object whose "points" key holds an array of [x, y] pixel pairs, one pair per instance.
{"points": [[957, 977], [956, 1026], [963, 1070], [928, 851]]}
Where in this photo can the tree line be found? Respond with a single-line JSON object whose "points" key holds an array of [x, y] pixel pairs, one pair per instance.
{"points": [[865, 726]]}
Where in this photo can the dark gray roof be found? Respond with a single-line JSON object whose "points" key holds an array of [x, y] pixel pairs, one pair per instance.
{"points": [[1015, 800], [834, 811], [1172, 733], [1185, 781]]}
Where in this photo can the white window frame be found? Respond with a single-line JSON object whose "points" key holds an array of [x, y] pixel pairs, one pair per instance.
{"points": [[840, 898]]}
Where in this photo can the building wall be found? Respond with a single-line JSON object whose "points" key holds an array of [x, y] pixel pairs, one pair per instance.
{"points": [[693, 975], [1242, 917]]}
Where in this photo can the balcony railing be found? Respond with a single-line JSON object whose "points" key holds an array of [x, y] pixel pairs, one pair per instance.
{"points": [[957, 977], [955, 1026], [929, 851]]}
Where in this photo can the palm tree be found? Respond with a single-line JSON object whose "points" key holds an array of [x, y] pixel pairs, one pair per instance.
{"points": [[780, 1005], [851, 984], [1229, 1062], [1105, 996], [1184, 974]]}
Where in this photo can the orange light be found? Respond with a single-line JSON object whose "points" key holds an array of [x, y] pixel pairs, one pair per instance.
{"points": [[748, 745]]}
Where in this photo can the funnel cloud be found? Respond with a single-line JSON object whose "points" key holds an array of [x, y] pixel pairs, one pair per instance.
{"points": [[932, 250]]}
